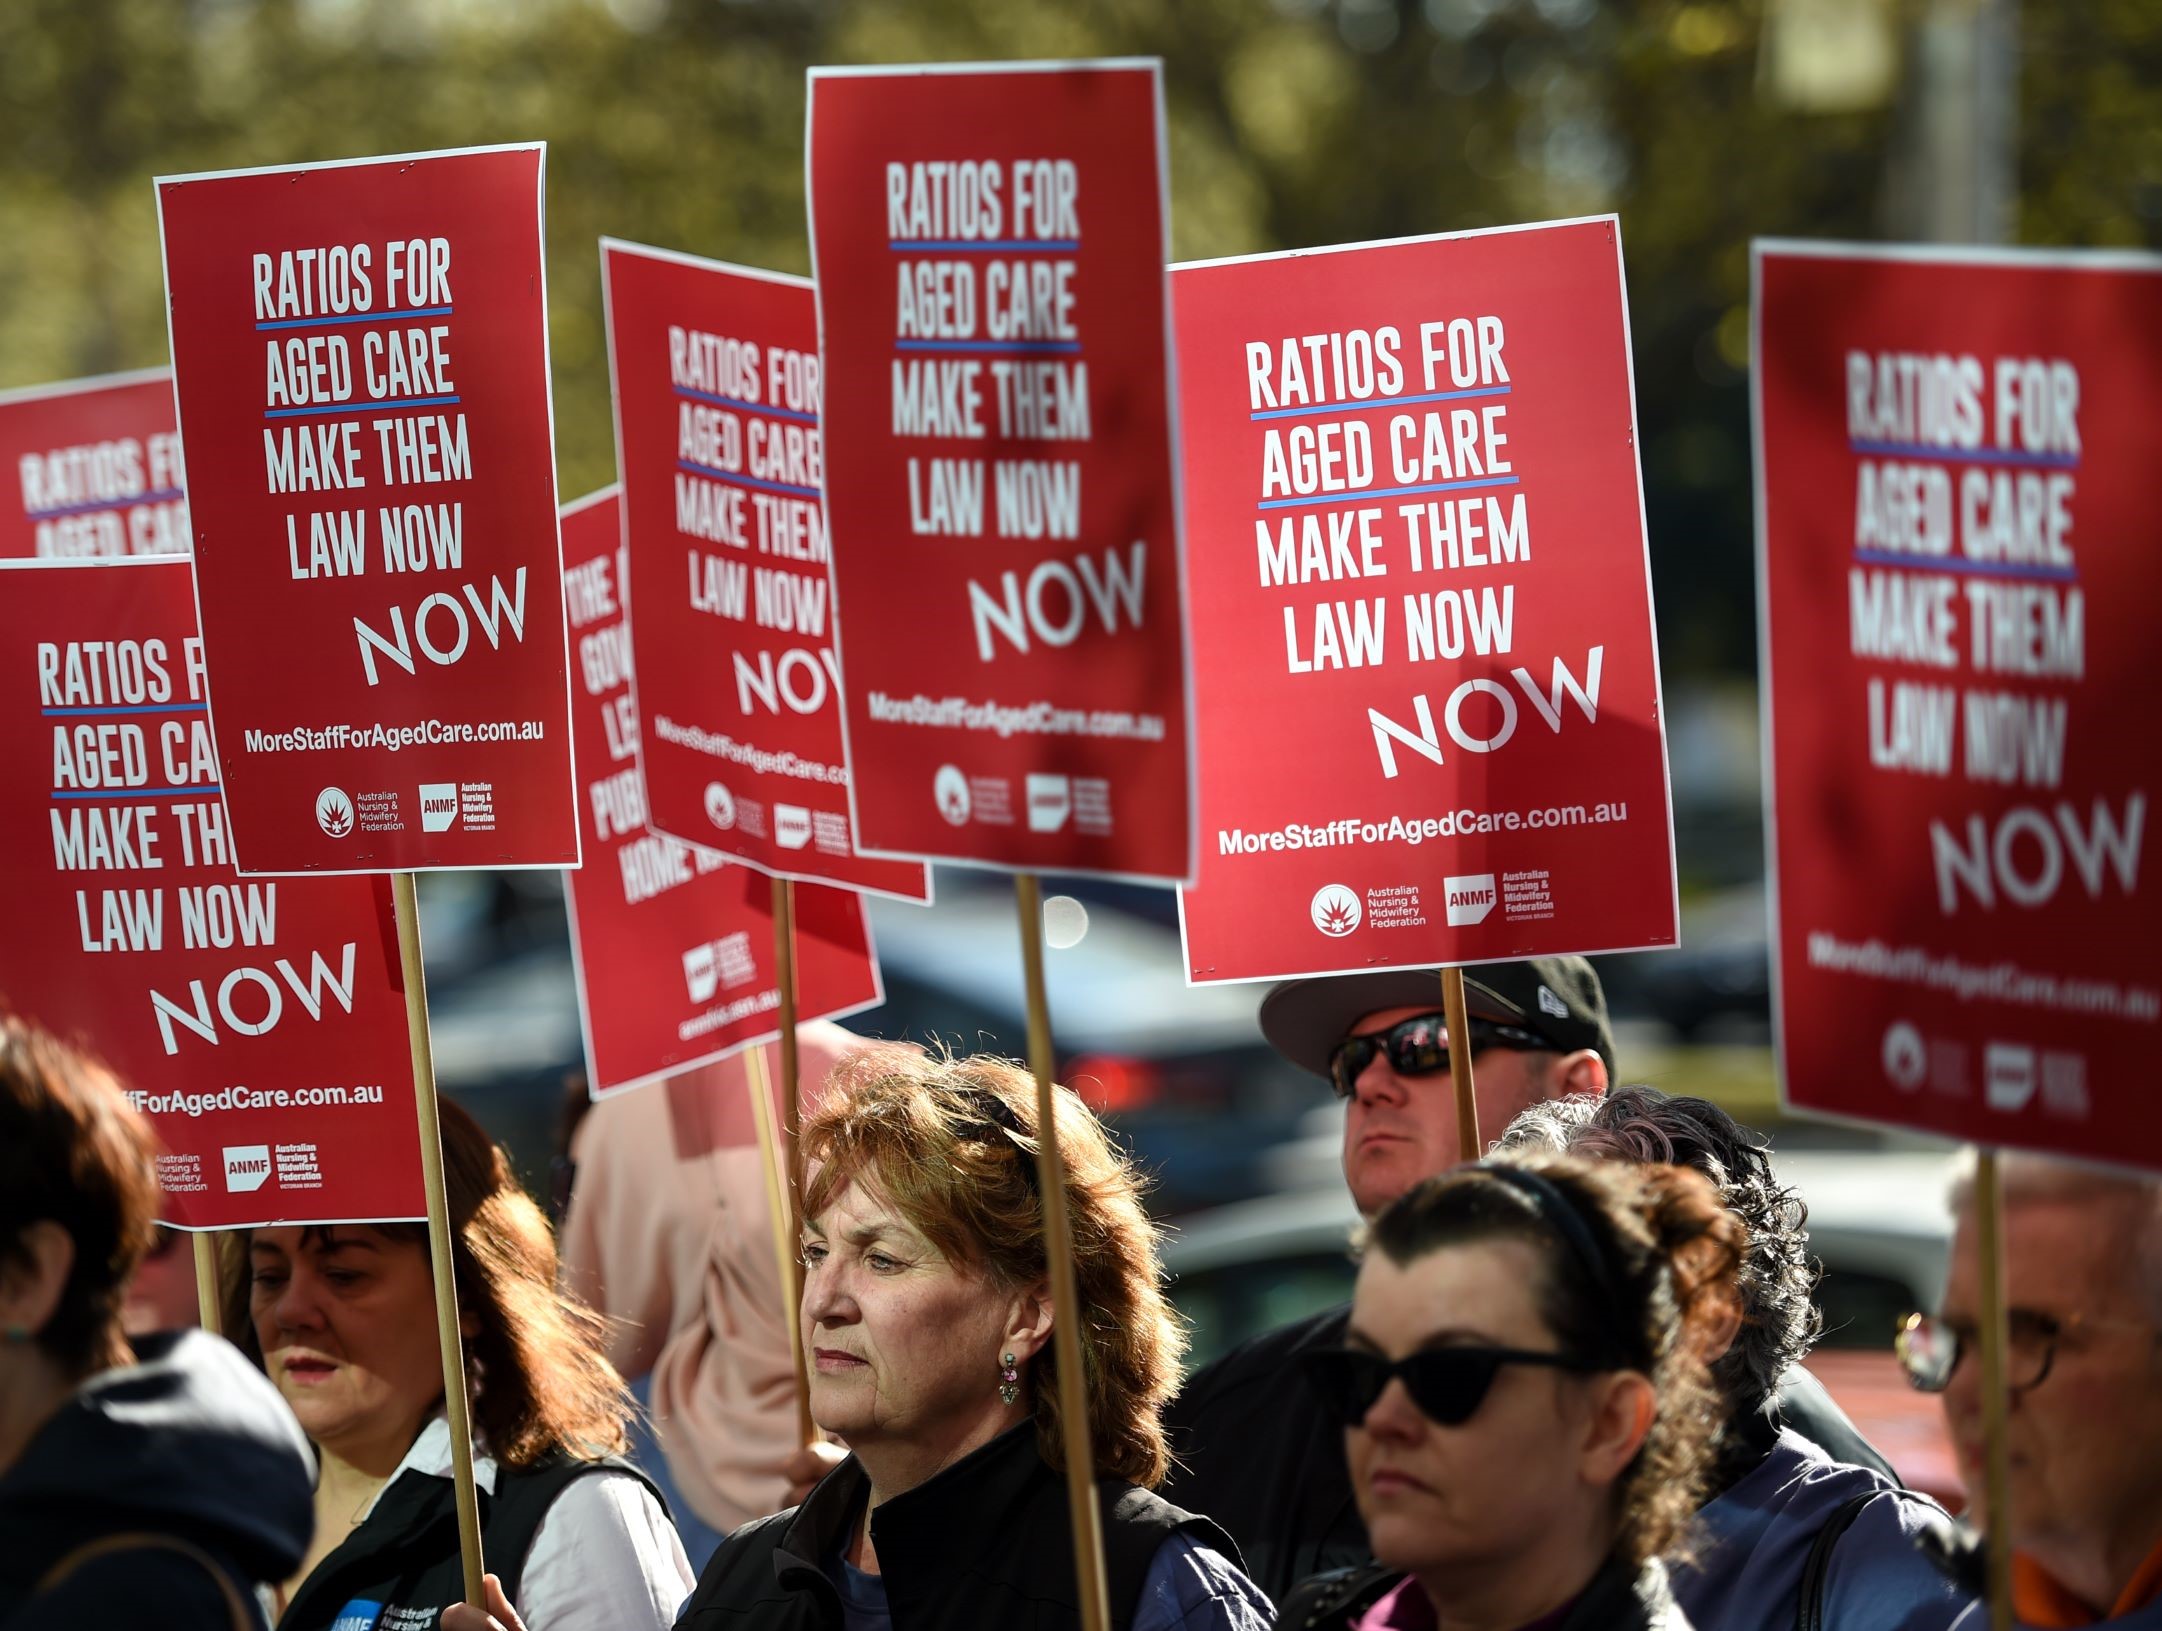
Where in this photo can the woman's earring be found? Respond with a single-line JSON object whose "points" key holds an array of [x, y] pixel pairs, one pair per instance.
{"points": [[1009, 1384]]}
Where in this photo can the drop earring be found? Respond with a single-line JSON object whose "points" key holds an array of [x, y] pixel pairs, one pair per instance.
{"points": [[1009, 1383]]}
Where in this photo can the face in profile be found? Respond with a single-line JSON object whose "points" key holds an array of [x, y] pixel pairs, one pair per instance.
{"points": [[903, 1343], [345, 1316], [1455, 1500]]}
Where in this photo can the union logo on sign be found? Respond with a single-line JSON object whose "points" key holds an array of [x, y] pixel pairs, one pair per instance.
{"points": [[334, 812], [1335, 910]]}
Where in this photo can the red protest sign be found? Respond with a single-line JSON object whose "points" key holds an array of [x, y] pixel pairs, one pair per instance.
{"points": [[261, 1025], [673, 945], [95, 467], [361, 360], [717, 403], [1425, 675], [989, 244], [1954, 478]]}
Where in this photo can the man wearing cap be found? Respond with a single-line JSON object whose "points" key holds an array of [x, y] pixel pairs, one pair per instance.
{"points": [[1258, 1454], [1255, 1450]]}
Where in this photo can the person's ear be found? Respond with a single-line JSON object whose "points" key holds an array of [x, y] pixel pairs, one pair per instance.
{"points": [[33, 1276], [1028, 1322], [1624, 1404], [1580, 1072]]}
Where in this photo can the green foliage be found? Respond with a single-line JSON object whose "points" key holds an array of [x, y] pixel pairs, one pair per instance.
{"points": [[680, 123]]}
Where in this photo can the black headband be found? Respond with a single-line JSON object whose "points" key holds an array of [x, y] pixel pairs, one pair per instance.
{"points": [[1553, 1204]]}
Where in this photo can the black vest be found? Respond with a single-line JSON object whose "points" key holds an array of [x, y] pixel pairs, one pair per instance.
{"points": [[400, 1569], [987, 1542]]}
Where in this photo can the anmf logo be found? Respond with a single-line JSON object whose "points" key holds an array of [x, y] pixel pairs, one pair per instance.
{"points": [[334, 812], [247, 1167], [1470, 898], [1335, 910]]}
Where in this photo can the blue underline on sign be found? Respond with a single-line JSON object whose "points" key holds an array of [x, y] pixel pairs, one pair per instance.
{"points": [[356, 317], [360, 409], [1966, 568], [795, 414], [1048, 246], [1379, 402], [162, 495], [130, 708], [1012, 348], [1384, 492], [1967, 455], [697, 469], [143, 792]]}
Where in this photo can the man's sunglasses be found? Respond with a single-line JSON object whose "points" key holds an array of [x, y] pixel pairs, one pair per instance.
{"points": [[1419, 1046], [1447, 1384]]}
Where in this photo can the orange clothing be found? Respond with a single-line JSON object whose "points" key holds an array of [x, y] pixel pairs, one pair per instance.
{"points": [[2038, 1600]]}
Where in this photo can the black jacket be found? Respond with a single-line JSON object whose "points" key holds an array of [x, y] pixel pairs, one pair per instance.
{"points": [[986, 1542], [1619, 1598], [191, 1441], [1261, 1457], [403, 1564]]}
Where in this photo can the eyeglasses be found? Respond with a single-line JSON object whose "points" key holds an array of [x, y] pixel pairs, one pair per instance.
{"points": [[1419, 1046], [1930, 1348], [1447, 1384]]}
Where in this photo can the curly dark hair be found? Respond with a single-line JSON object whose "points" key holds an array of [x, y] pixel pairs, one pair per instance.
{"points": [[1668, 1254], [952, 1143], [1780, 1319]]}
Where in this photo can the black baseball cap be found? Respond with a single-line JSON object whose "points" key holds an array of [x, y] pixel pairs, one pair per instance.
{"points": [[1558, 998]]}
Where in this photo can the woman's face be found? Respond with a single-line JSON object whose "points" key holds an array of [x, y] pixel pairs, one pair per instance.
{"points": [[1436, 1499], [345, 1316], [903, 1344]]}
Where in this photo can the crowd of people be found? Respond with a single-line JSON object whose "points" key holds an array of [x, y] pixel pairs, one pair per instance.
{"points": [[1567, 1394]]}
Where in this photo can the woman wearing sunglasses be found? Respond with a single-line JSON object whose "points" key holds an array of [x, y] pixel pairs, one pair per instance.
{"points": [[1527, 1415]]}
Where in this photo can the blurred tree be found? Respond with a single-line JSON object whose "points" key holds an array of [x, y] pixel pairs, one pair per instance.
{"points": [[680, 123]]}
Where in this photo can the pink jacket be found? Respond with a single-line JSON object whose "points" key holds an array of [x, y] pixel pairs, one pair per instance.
{"points": [[670, 1237]]}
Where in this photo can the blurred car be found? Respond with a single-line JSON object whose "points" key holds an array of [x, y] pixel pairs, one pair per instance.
{"points": [[1180, 1072], [1878, 1222]]}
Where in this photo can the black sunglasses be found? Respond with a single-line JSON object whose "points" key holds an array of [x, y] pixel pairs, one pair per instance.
{"points": [[1419, 1046], [1447, 1384]]}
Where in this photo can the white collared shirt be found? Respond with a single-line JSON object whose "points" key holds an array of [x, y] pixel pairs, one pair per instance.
{"points": [[605, 1557]]}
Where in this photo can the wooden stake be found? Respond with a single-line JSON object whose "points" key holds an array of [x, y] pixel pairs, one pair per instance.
{"points": [[1468, 1147], [448, 1336], [786, 1236], [784, 964], [1088, 1538], [208, 1289], [1996, 1397]]}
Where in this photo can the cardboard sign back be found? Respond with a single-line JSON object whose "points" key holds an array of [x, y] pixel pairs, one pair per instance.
{"points": [[361, 359], [1955, 472], [1427, 676], [1000, 474], [260, 1024]]}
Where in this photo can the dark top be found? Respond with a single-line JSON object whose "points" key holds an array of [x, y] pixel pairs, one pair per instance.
{"points": [[1260, 1456], [1619, 1598], [987, 1542], [190, 1442]]}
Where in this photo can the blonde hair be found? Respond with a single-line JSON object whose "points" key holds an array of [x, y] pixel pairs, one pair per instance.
{"points": [[951, 1143]]}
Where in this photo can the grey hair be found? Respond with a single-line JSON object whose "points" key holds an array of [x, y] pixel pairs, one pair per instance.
{"points": [[2029, 1176], [1780, 1321]]}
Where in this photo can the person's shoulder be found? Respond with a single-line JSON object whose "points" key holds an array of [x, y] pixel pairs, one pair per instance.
{"points": [[1336, 1598], [739, 1574], [1262, 1360]]}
